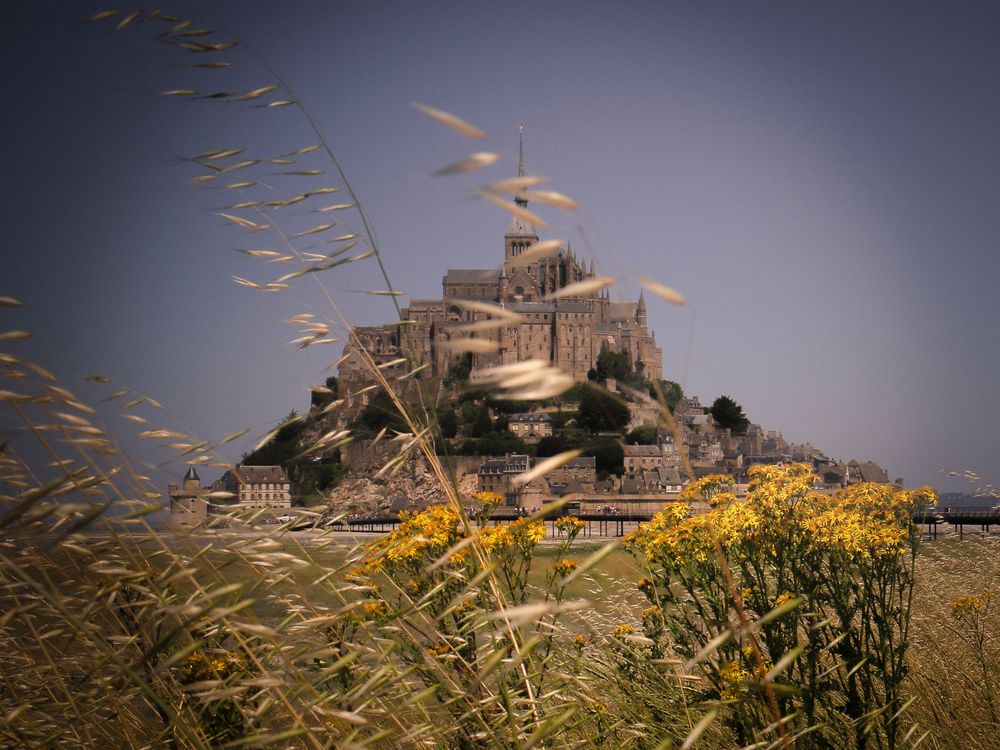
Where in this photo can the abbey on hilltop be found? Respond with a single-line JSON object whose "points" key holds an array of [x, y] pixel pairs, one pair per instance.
{"points": [[568, 333]]}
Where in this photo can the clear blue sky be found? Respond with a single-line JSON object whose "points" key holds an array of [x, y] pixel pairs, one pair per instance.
{"points": [[821, 180]]}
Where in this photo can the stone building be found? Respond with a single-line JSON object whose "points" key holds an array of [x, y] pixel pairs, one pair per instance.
{"points": [[252, 487], [642, 457], [567, 332], [866, 471], [189, 505], [530, 427], [496, 475], [581, 470], [258, 486]]}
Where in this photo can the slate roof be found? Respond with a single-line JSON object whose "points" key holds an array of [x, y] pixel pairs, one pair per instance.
{"points": [[516, 463], [622, 310], [668, 475], [631, 485], [640, 451], [472, 276], [492, 466], [531, 307], [260, 474], [527, 417], [869, 471], [519, 227]]}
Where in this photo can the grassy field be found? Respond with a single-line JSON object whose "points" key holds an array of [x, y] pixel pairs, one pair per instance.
{"points": [[284, 596]]}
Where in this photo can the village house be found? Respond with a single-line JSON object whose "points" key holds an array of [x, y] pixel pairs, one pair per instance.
{"points": [[496, 475], [642, 457], [530, 427], [250, 487], [581, 470], [258, 486], [866, 471]]}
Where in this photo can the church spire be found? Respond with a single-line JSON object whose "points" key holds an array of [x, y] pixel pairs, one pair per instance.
{"points": [[520, 233], [520, 163], [640, 309]]}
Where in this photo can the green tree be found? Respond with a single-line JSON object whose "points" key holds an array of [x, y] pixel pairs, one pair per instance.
{"points": [[644, 434], [379, 412], [729, 414], [609, 455], [447, 420], [601, 411], [482, 424], [612, 364], [459, 371], [281, 448], [669, 391], [551, 445], [494, 444]]}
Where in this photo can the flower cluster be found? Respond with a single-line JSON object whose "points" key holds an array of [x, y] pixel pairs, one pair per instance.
{"points": [[519, 536], [439, 649], [620, 631], [564, 567], [850, 556], [967, 605], [487, 500], [865, 521], [707, 487], [420, 538], [200, 666], [375, 610], [570, 526], [734, 678]]}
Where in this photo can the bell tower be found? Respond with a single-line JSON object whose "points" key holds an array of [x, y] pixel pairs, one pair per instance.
{"points": [[520, 233]]}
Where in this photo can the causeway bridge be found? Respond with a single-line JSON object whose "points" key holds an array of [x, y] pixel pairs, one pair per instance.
{"points": [[619, 524]]}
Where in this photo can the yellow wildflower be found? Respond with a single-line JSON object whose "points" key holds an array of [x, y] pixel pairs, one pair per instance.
{"points": [[568, 524], [706, 487], [967, 605], [622, 630], [439, 649], [564, 567], [734, 678], [375, 610]]}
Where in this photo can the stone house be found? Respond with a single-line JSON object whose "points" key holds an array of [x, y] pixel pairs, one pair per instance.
{"points": [[496, 475], [258, 486], [642, 457], [582, 470], [530, 427], [866, 471]]}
